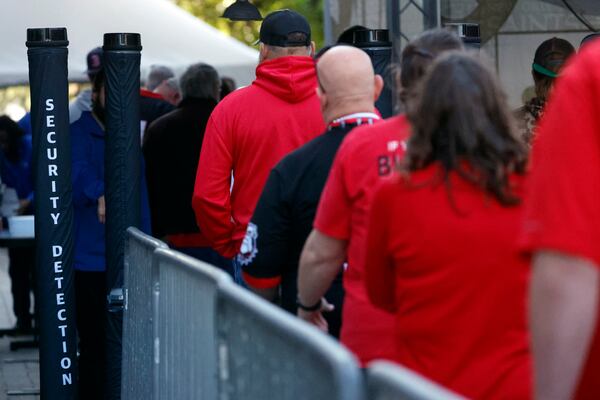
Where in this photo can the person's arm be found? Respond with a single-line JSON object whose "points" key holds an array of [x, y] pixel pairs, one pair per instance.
{"points": [[563, 312], [87, 185], [265, 251], [320, 262], [380, 277], [212, 198]]}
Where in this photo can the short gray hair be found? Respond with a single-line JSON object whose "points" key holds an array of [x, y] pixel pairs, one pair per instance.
{"points": [[157, 75], [200, 81]]}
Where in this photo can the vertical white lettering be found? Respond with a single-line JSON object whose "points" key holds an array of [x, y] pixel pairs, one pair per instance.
{"points": [[53, 186], [61, 314], [55, 217], [51, 153], [60, 299], [58, 280], [64, 346], [49, 104], [52, 170], [50, 121], [54, 199], [65, 363], [67, 379], [49, 137], [62, 330], [57, 251], [58, 268]]}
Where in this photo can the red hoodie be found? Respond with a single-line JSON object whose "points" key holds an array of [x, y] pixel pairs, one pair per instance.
{"points": [[247, 134]]}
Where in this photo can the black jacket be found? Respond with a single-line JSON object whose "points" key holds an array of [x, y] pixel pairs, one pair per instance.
{"points": [[171, 149]]}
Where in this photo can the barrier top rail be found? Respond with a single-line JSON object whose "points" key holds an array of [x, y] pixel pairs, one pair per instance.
{"points": [[284, 347], [192, 265], [388, 381], [146, 240]]}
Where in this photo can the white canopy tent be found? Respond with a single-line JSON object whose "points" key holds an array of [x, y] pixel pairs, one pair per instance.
{"points": [[170, 36]]}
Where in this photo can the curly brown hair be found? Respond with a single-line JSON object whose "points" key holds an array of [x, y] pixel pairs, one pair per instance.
{"points": [[462, 120]]}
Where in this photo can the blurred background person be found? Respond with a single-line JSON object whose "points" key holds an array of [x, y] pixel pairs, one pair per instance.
{"points": [[285, 212], [562, 234], [442, 248], [171, 150], [83, 101], [549, 59], [17, 179], [169, 90], [227, 86], [367, 155], [153, 105], [157, 75]]}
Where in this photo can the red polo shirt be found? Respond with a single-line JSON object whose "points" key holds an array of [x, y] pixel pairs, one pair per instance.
{"points": [[366, 155]]}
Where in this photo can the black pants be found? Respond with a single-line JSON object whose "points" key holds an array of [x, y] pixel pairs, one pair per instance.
{"points": [[90, 295], [20, 269]]}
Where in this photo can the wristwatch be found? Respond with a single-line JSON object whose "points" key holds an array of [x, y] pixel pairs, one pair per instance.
{"points": [[313, 308]]}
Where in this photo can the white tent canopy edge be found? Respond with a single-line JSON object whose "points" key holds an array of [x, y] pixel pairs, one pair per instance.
{"points": [[170, 36]]}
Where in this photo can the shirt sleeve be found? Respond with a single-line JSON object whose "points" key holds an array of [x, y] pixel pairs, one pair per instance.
{"points": [[334, 214], [264, 251], [562, 210], [88, 187], [212, 198], [380, 277]]}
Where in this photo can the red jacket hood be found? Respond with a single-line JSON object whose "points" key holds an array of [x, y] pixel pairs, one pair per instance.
{"points": [[292, 78]]}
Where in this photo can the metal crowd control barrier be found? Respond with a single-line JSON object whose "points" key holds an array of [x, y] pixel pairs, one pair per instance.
{"points": [[140, 280], [265, 353], [387, 381], [187, 356], [191, 333]]}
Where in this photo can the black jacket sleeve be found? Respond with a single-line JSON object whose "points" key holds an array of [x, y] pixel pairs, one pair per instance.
{"points": [[264, 252]]}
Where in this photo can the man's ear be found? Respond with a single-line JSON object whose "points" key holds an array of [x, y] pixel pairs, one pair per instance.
{"points": [[322, 97], [378, 87], [263, 52]]}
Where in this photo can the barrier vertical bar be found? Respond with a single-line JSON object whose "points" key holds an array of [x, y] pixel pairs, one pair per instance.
{"points": [[47, 53], [122, 180], [139, 316]]}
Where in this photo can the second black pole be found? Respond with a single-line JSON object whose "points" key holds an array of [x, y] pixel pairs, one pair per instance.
{"points": [[122, 53]]}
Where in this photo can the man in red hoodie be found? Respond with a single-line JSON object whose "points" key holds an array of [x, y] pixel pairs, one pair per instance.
{"points": [[253, 128]]}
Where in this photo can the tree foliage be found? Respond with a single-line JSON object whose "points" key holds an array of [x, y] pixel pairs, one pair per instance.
{"points": [[210, 11]]}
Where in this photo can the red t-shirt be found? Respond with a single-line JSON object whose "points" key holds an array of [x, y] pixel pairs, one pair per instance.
{"points": [[366, 155], [563, 203], [448, 265]]}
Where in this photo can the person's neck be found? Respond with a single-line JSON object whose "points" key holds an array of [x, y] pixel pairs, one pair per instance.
{"points": [[342, 110]]}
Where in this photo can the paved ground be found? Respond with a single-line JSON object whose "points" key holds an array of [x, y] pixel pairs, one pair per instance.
{"points": [[19, 373]]}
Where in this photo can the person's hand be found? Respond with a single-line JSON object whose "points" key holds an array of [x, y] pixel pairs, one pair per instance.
{"points": [[101, 210], [23, 206], [316, 317]]}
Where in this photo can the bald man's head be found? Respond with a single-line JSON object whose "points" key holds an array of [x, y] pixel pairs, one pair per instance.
{"points": [[347, 82]]}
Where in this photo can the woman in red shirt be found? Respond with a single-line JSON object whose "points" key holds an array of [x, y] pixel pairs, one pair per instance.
{"points": [[442, 245]]}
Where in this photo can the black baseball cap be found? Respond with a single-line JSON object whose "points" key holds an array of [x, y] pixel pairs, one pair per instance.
{"points": [[551, 55], [94, 61], [278, 25]]}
